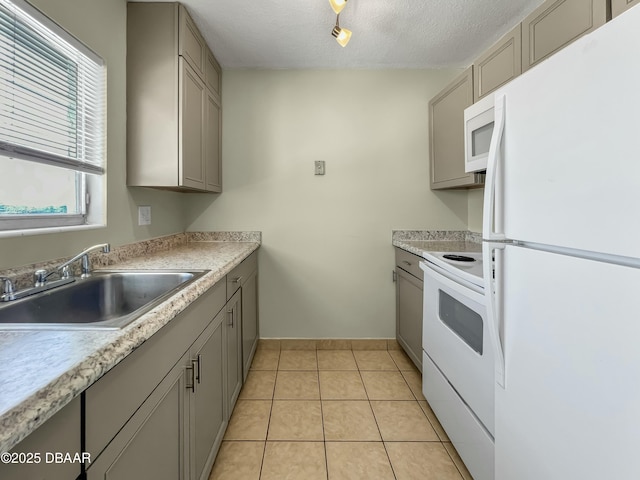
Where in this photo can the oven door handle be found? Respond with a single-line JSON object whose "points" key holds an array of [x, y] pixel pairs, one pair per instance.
{"points": [[449, 281]]}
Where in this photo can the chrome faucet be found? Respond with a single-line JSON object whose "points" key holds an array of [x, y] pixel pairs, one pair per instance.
{"points": [[7, 290], [40, 276]]}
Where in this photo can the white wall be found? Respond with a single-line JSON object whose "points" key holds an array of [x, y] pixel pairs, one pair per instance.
{"points": [[101, 24], [326, 260], [476, 197]]}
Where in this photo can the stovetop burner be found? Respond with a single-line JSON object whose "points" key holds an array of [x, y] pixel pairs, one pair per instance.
{"points": [[467, 265], [458, 258]]}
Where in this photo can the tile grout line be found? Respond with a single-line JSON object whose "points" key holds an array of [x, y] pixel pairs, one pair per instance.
{"points": [[266, 437], [324, 435], [375, 419]]}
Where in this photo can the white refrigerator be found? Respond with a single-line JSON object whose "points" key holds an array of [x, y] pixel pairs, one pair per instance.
{"points": [[562, 220]]}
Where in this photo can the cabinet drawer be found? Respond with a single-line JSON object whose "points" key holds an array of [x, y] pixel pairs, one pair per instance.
{"points": [[113, 399], [409, 262], [239, 275]]}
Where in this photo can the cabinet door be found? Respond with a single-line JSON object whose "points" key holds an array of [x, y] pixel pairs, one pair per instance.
{"points": [[152, 443], [61, 433], [212, 137], [557, 23], [409, 315], [619, 6], [192, 46], [206, 405], [249, 321], [213, 74], [192, 112], [498, 65], [233, 354], [446, 133]]}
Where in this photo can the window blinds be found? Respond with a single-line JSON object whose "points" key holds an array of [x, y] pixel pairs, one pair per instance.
{"points": [[52, 93]]}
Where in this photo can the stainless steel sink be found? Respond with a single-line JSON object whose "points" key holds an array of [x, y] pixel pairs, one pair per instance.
{"points": [[106, 300]]}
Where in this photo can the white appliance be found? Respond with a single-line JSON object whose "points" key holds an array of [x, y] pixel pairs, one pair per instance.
{"points": [[478, 128], [458, 363], [562, 216]]}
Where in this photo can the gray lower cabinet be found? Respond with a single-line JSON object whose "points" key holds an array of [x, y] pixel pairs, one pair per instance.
{"points": [[245, 278], [207, 421], [152, 443], [60, 434], [234, 350], [250, 329], [619, 6], [409, 288], [142, 422]]}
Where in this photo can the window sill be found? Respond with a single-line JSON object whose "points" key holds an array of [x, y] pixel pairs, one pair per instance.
{"points": [[48, 230]]}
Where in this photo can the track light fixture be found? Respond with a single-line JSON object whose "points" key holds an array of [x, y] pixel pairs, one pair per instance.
{"points": [[337, 5], [342, 35]]}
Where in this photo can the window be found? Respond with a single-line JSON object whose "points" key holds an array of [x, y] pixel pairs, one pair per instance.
{"points": [[52, 128]]}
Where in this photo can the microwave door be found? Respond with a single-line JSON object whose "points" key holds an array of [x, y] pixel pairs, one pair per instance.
{"points": [[478, 127]]}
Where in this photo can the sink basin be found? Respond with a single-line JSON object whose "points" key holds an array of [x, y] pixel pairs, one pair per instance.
{"points": [[106, 300]]}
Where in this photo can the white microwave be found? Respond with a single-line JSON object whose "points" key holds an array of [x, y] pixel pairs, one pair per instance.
{"points": [[478, 128]]}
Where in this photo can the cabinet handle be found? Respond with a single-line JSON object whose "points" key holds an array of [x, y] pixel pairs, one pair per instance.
{"points": [[191, 373], [198, 369], [406, 263], [237, 280], [230, 314]]}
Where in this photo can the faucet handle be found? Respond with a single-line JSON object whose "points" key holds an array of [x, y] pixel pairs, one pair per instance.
{"points": [[7, 290], [39, 278]]}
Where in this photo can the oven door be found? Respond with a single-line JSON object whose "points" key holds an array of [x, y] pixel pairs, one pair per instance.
{"points": [[455, 336]]}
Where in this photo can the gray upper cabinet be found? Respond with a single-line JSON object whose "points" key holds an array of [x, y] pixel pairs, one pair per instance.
{"points": [[192, 47], [446, 134], [498, 65], [213, 74], [557, 23], [173, 101], [619, 6]]}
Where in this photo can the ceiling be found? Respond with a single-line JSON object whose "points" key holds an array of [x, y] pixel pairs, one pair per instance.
{"points": [[286, 34]]}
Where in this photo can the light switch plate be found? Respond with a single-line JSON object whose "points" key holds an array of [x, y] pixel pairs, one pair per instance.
{"points": [[144, 214], [319, 167]]}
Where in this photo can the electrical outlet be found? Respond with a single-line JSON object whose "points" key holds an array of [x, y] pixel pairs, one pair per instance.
{"points": [[319, 167], [144, 215]]}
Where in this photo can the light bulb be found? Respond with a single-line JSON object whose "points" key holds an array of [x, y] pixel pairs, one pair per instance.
{"points": [[337, 5], [342, 35]]}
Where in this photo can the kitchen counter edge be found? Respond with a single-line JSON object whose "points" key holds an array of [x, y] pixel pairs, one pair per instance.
{"points": [[35, 389]]}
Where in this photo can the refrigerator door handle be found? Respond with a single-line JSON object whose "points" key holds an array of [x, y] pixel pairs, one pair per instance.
{"points": [[491, 228], [493, 296]]}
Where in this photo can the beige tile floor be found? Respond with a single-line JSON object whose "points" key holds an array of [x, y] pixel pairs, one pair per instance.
{"points": [[332, 415]]}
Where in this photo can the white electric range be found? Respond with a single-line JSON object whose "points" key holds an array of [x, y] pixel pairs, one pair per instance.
{"points": [[458, 362]]}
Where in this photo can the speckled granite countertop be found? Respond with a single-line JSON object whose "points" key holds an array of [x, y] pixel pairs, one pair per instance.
{"points": [[42, 371], [421, 241]]}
